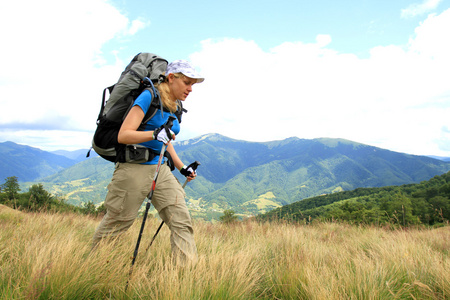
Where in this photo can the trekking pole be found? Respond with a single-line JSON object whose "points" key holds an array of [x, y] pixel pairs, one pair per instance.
{"points": [[194, 166], [147, 206]]}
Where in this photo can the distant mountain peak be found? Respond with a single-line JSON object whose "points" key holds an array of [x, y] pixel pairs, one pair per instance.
{"points": [[29, 163], [334, 142], [205, 137]]}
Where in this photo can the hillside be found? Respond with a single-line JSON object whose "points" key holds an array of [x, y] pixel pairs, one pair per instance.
{"points": [[77, 155], [427, 202], [252, 177], [28, 163], [295, 169]]}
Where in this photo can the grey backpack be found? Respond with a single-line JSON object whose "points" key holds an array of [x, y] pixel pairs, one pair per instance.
{"points": [[145, 70]]}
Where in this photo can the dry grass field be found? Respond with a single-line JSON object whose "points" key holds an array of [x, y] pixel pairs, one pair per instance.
{"points": [[47, 256]]}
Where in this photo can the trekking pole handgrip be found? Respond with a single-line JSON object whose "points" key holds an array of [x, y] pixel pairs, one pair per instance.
{"points": [[169, 122], [194, 166]]}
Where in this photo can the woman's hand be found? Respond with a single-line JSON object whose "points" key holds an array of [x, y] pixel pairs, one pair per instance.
{"points": [[189, 171], [163, 134]]}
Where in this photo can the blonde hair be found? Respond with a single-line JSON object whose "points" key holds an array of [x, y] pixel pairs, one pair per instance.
{"points": [[164, 91]]}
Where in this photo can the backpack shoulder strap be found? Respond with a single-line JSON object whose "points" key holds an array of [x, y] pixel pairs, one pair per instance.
{"points": [[157, 104], [154, 105], [102, 108], [180, 110]]}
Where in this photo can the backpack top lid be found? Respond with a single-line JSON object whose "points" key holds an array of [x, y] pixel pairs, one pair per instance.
{"points": [[141, 66]]}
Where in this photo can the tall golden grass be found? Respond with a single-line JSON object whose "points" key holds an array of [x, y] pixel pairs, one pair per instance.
{"points": [[47, 256]]}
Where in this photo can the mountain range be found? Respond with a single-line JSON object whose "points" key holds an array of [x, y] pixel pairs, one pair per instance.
{"points": [[249, 177], [29, 163]]}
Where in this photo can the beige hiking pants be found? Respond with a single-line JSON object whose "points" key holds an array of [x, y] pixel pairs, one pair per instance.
{"points": [[128, 189]]}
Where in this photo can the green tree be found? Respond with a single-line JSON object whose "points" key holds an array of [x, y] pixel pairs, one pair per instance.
{"points": [[11, 187], [400, 210], [441, 208], [89, 208], [39, 196], [228, 216], [101, 210]]}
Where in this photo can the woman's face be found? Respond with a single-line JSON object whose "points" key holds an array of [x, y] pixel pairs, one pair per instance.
{"points": [[180, 87]]}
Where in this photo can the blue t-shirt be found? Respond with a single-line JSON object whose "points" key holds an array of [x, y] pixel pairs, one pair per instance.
{"points": [[143, 101]]}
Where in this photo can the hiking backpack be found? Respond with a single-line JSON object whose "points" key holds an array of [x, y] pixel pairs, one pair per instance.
{"points": [[144, 70]]}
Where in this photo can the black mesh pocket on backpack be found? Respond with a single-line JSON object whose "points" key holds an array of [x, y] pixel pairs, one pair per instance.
{"points": [[137, 154]]}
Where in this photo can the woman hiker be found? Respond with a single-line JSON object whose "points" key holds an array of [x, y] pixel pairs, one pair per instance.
{"points": [[132, 182]]}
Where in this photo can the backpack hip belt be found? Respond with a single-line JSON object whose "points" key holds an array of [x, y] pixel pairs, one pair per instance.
{"points": [[138, 154]]}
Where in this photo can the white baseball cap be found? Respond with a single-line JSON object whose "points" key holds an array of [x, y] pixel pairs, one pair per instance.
{"points": [[184, 67]]}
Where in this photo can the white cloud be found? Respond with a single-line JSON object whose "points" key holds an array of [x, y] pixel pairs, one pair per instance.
{"points": [[53, 66], [397, 99], [431, 40], [323, 40], [443, 140], [417, 9], [137, 25], [49, 140]]}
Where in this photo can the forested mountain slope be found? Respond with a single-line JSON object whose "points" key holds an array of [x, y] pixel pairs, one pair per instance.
{"points": [[252, 177], [427, 202]]}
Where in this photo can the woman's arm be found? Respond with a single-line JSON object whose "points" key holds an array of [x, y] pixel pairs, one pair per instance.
{"points": [[128, 133], [177, 161]]}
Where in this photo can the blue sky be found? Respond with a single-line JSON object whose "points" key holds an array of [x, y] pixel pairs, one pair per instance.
{"points": [[375, 72], [356, 26]]}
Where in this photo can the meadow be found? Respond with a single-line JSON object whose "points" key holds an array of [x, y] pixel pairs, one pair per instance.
{"points": [[47, 256]]}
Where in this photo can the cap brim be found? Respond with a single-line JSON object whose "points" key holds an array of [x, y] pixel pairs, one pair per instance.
{"points": [[195, 76]]}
